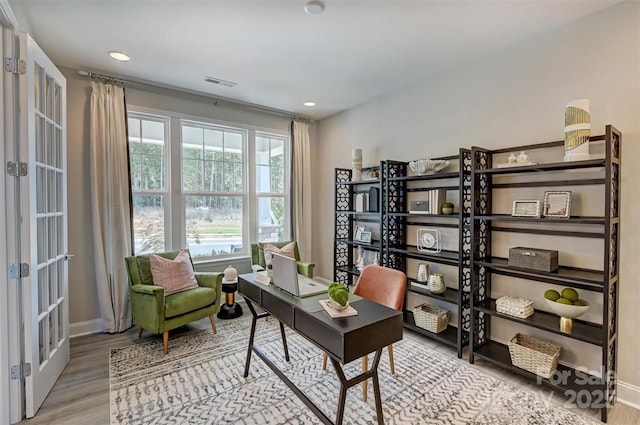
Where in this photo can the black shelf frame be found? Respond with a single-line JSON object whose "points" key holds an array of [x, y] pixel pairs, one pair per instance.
{"points": [[346, 218], [396, 223], [604, 282]]}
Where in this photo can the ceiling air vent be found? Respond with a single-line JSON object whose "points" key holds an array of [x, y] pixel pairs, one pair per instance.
{"points": [[219, 81]]}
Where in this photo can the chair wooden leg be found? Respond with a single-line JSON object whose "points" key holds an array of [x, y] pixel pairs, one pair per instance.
{"points": [[325, 357], [165, 339], [365, 367], [392, 366], [140, 332], [213, 324]]}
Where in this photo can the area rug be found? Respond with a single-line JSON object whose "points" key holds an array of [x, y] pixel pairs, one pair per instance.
{"points": [[200, 382]]}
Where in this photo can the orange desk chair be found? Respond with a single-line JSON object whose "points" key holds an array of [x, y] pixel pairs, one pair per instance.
{"points": [[384, 286]]}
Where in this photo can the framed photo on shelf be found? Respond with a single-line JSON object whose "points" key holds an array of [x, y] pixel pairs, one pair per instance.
{"points": [[357, 234], [526, 208], [365, 237], [557, 204]]}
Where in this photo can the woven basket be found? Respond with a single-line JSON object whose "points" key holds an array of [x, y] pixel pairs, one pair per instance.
{"points": [[431, 318], [532, 354], [515, 306]]}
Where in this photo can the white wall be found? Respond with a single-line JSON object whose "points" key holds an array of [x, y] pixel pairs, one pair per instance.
{"points": [[84, 310], [510, 98]]}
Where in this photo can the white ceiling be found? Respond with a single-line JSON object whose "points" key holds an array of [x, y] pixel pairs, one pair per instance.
{"points": [[279, 55]]}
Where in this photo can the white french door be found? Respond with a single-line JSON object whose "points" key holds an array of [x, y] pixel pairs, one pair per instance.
{"points": [[44, 222]]}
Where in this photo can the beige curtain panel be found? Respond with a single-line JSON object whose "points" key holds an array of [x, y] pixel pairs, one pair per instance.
{"points": [[301, 188], [110, 203]]}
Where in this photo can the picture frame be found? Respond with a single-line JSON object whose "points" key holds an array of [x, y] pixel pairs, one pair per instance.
{"points": [[357, 234], [557, 204], [526, 208], [365, 237]]}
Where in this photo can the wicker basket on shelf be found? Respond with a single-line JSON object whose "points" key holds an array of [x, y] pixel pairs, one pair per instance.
{"points": [[533, 354], [514, 306], [431, 318]]}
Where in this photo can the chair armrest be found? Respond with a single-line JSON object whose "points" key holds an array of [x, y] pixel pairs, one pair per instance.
{"points": [[213, 281], [147, 305], [306, 268], [257, 268]]}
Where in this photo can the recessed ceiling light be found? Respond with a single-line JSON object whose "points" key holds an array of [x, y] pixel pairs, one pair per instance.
{"points": [[314, 7], [309, 103], [119, 56]]}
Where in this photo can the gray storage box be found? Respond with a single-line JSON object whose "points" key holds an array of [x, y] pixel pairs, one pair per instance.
{"points": [[545, 260]]}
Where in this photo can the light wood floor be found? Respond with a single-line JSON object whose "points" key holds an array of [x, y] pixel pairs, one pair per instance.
{"points": [[81, 395]]}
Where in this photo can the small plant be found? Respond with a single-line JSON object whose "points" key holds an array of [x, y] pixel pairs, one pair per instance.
{"points": [[339, 293]]}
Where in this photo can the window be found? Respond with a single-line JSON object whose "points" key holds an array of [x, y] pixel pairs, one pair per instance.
{"points": [[147, 153], [271, 187], [193, 187]]}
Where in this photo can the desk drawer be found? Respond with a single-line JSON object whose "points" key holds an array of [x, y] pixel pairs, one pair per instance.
{"points": [[326, 338], [249, 290], [278, 308]]}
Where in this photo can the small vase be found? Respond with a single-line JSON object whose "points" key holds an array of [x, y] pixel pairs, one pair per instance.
{"points": [[422, 274], [436, 283], [230, 273]]}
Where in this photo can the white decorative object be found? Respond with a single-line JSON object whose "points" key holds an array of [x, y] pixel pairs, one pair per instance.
{"points": [[436, 284], [577, 130], [422, 275], [230, 273], [523, 157], [360, 261], [356, 165], [512, 159], [428, 240], [376, 259], [428, 166], [362, 204]]}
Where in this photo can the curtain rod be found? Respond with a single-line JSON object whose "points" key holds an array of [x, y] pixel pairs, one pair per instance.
{"points": [[134, 82]]}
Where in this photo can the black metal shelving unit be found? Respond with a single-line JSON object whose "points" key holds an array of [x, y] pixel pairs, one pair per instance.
{"points": [[346, 218], [605, 282], [396, 222]]}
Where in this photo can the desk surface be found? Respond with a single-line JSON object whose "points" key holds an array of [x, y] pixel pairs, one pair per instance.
{"points": [[345, 339]]}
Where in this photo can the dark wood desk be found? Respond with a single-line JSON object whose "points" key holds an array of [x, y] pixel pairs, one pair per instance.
{"points": [[345, 339]]}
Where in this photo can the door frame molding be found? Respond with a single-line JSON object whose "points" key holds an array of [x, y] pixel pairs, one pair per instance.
{"points": [[11, 396]]}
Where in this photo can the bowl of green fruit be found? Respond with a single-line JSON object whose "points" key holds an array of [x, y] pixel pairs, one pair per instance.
{"points": [[338, 296], [566, 303]]}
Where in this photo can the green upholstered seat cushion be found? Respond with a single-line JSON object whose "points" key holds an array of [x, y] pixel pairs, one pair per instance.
{"points": [[186, 301]]}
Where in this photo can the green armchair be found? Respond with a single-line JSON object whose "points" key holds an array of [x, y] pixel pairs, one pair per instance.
{"points": [[159, 314], [258, 263]]}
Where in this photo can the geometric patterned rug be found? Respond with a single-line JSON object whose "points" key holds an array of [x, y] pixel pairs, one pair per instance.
{"points": [[200, 382]]}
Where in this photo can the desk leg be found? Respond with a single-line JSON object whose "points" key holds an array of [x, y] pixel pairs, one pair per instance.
{"points": [[252, 334], [284, 342], [345, 384], [254, 318]]}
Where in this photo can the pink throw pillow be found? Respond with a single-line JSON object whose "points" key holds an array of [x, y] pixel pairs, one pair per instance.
{"points": [[288, 250], [173, 275]]}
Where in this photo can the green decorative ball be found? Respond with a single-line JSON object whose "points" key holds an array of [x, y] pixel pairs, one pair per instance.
{"points": [[339, 293], [551, 294], [580, 302], [563, 301], [570, 294]]}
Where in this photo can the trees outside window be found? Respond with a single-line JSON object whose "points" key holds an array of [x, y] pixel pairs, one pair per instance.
{"points": [[233, 186]]}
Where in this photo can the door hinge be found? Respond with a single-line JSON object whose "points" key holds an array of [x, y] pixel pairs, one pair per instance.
{"points": [[20, 371], [17, 169], [16, 271], [15, 65]]}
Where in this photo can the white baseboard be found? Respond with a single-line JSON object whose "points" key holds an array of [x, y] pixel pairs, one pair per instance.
{"points": [[629, 394], [85, 328]]}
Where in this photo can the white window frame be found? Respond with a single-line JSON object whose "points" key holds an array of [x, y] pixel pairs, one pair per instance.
{"points": [[175, 229]]}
